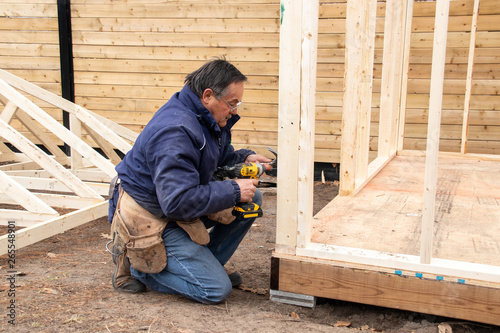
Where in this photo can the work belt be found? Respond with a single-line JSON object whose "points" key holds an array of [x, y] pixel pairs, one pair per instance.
{"points": [[142, 232]]}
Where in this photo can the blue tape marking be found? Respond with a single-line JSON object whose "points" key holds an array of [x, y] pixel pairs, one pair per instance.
{"points": [[461, 281], [399, 272], [419, 275], [440, 278]]}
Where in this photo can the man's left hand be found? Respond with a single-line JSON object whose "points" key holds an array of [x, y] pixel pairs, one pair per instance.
{"points": [[256, 158]]}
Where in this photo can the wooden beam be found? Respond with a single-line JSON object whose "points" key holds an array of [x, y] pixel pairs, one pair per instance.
{"points": [[370, 285], [106, 147], [350, 107], [116, 128], [482, 157], [49, 164], [392, 66], [404, 76], [23, 218], [55, 226], [367, 13], [400, 261], [288, 124], [76, 127], [310, 12], [8, 112], [106, 127], [373, 169], [40, 134], [58, 129], [51, 184], [28, 165], [57, 200], [99, 127], [23, 197], [6, 155], [468, 84], [84, 175], [433, 131], [358, 78]]}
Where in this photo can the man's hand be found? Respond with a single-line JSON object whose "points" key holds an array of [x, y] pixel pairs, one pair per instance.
{"points": [[256, 158], [247, 188]]}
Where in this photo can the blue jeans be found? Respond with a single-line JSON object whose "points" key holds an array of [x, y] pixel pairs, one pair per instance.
{"points": [[197, 271]]}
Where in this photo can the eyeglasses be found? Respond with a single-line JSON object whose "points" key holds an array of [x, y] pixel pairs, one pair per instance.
{"points": [[232, 108]]}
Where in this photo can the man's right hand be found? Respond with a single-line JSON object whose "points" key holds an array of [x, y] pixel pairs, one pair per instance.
{"points": [[247, 188]]}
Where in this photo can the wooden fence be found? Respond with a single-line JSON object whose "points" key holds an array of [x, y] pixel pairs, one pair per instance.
{"points": [[130, 56]]}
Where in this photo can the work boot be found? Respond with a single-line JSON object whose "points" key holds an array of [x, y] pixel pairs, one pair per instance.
{"points": [[122, 280], [234, 277]]}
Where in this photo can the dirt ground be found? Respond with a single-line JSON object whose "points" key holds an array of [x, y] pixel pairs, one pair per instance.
{"points": [[63, 285]]}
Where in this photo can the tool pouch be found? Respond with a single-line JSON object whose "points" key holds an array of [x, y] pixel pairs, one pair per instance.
{"points": [[224, 216], [196, 231], [142, 233], [146, 252]]}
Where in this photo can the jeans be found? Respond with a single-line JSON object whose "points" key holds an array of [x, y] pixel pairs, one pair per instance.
{"points": [[197, 271]]}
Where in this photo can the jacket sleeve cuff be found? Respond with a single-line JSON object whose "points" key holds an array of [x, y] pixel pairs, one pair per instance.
{"points": [[245, 153], [236, 191]]}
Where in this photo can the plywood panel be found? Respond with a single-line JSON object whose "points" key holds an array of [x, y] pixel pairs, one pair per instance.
{"points": [[385, 215]]}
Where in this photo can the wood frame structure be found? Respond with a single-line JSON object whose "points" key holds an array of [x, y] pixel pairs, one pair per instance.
{"points": [[37, 183], [417, 282]]}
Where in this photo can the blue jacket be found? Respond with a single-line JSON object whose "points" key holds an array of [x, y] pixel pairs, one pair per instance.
{"points": [[169, 170]]}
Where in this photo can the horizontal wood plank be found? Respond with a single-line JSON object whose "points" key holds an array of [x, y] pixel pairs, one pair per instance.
{"points": [[178, 25], [369, 286], [230, 39], [28, 23], [174, 10], [166, 66], [251, 54], [28, 10]]}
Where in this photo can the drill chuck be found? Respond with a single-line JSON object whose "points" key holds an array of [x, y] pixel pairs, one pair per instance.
{"points": [[242, 170], [251, 170]]}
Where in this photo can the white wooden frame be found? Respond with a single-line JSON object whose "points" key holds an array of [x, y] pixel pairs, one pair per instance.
{"points": [[296, 104], [86, 181]]}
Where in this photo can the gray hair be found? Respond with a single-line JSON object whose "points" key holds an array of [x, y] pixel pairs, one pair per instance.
{"points": [[217, 75]]}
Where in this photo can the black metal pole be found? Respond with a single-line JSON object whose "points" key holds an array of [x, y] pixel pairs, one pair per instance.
{"points": [[66, 58]]}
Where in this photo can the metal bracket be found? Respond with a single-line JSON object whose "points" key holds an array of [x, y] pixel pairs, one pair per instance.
{"points": [[293, 298]]}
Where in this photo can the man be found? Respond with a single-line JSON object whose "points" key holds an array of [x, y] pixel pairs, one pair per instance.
{"points": [[167, 194]]}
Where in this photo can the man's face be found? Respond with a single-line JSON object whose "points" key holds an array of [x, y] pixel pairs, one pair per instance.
{"points": [[221, 108]]}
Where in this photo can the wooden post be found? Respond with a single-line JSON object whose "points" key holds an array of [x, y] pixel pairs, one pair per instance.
{"points": [[390, 95], [310, 12], [298, 54], [468, 83], [8, 112], [76, 128], [368, 17], [433, 130], [358, 77], [288, 125], [404, 79]]}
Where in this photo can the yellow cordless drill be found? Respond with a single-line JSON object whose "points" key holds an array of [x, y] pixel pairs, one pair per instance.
{"points": [[246, 170], [243, 170]]}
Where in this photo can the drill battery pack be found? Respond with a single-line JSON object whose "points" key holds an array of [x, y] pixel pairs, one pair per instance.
{"points": [[247, 210]]}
